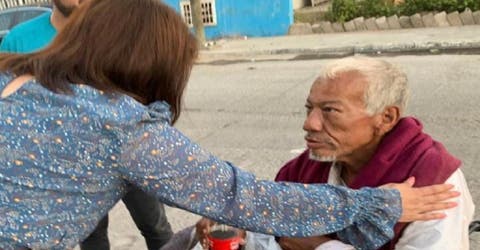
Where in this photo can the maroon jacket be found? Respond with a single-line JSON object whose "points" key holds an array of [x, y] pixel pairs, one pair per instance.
{"points": [[405, 151]]}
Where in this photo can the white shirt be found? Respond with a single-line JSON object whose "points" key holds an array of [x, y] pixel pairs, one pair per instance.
{"points": [[450, 233]]}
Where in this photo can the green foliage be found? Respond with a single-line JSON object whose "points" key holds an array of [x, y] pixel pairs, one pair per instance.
{"points": [[345, 10], [410, 7], [376, 8]]}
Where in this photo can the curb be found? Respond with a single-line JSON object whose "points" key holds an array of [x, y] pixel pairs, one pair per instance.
{"points": [[471, 47], [419, 20]]}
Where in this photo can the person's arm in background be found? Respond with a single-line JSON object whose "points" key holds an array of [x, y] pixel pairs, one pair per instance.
{"points": [[161, 160], [446, 234], [7, 45]]}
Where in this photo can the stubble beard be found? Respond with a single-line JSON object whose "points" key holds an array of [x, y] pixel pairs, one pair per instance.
{"points": [[322, 158]]}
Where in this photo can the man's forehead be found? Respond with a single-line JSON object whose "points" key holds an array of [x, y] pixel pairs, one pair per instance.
{"points": [[343, 80], [345, 86]]}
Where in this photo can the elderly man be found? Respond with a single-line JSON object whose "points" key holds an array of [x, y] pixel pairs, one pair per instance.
{"points": [[357, 135]]}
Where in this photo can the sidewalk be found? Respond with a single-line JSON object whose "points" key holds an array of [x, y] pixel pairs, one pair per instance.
{"points": [[405, 41]]}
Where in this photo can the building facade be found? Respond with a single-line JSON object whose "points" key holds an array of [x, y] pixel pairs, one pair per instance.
{"points": [[234, 18]]}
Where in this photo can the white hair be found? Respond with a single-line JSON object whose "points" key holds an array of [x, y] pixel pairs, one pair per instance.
{"points": [[387, 84]]}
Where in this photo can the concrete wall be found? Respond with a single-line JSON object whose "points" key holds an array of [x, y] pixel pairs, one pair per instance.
{"points": [[252, 18]]}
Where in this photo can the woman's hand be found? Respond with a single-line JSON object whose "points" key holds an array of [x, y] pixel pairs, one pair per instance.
{"points": [[424, 203]]}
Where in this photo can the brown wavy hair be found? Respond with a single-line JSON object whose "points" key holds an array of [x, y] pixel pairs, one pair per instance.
{"points": [[138, 47]]}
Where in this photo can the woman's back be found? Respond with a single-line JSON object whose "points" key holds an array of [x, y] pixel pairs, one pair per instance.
{"points": [[59, 154]]}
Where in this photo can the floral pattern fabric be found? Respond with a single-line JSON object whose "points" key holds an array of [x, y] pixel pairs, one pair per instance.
{"points": [[65, 161]]}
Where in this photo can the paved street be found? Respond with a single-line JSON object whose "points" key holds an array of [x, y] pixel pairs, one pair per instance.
{"points": [[251, 114]]}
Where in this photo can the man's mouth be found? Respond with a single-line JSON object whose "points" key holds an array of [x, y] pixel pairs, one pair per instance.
{"points": [[313, 143]]}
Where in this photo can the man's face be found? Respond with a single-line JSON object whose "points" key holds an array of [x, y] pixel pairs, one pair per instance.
{"points": [[66, 7], [337, 124]]}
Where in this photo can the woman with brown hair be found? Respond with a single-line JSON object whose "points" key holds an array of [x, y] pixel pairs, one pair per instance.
{"points": [[94, 112]]}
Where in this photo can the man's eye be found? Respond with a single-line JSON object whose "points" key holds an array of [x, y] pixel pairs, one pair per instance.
{"points": [[328, 109], [308, 108]]}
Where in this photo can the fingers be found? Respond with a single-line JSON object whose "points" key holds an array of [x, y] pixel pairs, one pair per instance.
{"points": [[434, 189], [241, 233], [437, 207], [205, 244], [410, 181], [439, 197], [203, 228], [425, 213], [425, 203], [242, 241]]}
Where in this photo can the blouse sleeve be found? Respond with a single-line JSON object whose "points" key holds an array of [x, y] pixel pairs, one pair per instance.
{"points": [[161, 160], [365, 234]]}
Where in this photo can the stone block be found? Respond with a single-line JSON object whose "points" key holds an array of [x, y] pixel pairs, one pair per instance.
{"points": [[476, 16], [454, 19], [349, 26], [316, 28], [393, 22], [359, 23], [417, 21], [300, 29], [382, 23], [467, 17], [405, 22], [326, 27], [429, 20], [441, 19], [371, 24], [338, 27]]}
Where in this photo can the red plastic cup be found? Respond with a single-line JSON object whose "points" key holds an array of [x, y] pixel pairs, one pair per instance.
{"points": [[223, 238]]}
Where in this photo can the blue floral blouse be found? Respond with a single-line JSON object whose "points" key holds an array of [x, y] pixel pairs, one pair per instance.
{"points": [[65, 161]]}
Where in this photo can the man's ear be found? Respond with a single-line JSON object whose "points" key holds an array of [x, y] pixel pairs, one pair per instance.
{"points": [[387, 119]]}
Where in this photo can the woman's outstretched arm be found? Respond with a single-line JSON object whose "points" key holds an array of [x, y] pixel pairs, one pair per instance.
{"points": [[161, 160]]}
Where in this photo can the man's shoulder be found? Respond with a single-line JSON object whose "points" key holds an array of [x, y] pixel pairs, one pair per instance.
{"points": [[29, 36], [31, 25]]}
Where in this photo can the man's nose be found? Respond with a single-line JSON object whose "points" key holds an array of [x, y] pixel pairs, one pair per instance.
{"points": [[313, 121]]}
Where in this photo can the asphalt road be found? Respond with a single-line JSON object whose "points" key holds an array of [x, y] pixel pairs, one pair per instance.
{"points": [[251, 114]]}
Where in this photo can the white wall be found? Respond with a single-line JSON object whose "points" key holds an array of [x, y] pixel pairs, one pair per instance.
{"points": [[5, 4], [301, 3]]}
